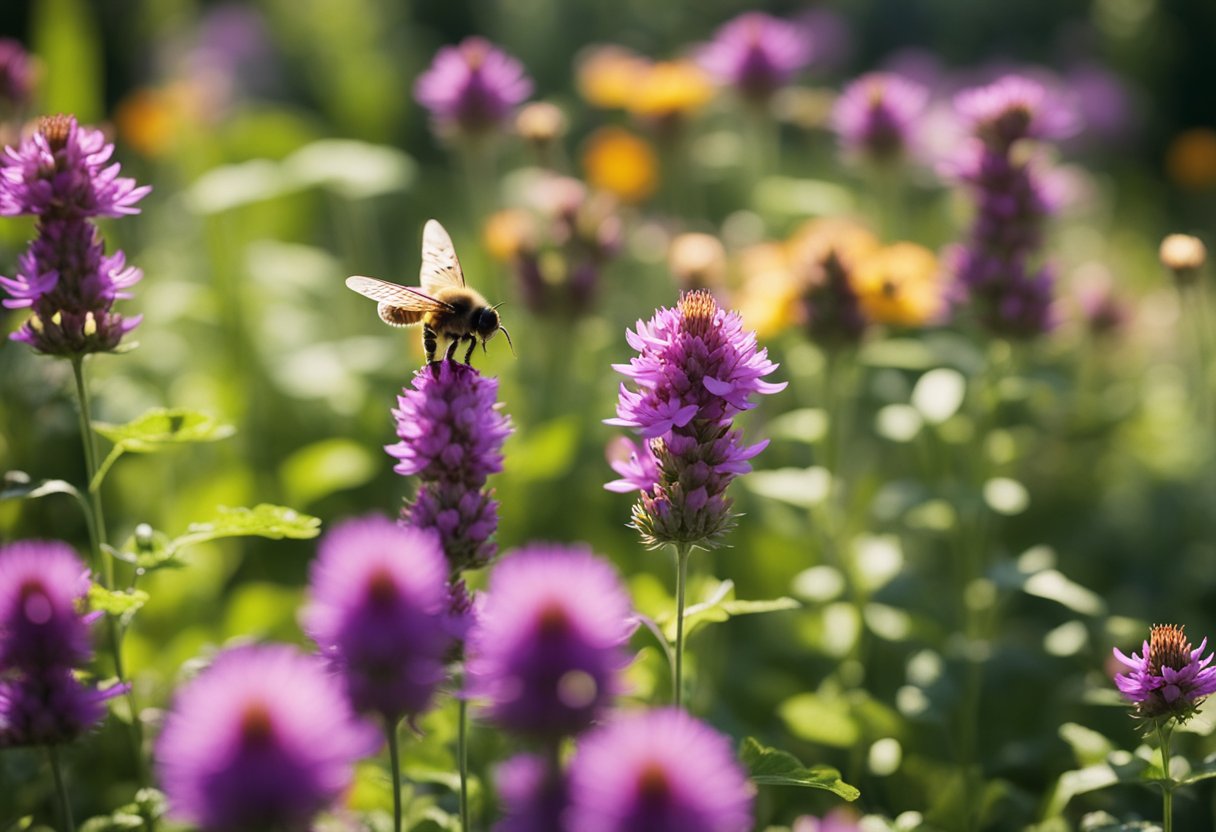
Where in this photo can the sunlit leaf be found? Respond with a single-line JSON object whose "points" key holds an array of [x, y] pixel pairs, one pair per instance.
{"points": [[355, 169], [770, 767], [18, 486], [803, 487], [1204, 771], [231, 186], [808, 425], [721, 605], [320, 469], [819, 719], [120, 603], [263, 520], [160, 427]]}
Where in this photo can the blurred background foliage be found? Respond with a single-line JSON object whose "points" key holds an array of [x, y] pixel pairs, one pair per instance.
{"points": [[286, 152]]}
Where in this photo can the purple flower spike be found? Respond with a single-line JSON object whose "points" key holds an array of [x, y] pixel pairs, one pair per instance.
{"points": [[472, 88], [61, 172], [1169, 678], [379, 612], [696, 371], [1014, 108], [452, 429], [876, 115], [658, 771], [261, 739], [534, 796], [50, 707], [757, 54], [549, 645]]}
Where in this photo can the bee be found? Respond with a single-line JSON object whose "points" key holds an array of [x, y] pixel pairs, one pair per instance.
{"points": [[443, 304]]}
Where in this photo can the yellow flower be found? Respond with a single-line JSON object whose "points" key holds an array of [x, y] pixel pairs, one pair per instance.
{"points": [[608, 76], [148, 120], [812, 241], [621, 163], [768, 298], [509, 233], [900, 285], [670, 89]]}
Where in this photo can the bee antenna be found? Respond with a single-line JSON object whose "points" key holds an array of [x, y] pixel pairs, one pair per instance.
{"points": [[500, 303], [509, 344]]}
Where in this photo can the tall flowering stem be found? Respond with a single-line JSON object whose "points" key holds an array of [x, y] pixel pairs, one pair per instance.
{"points": [[697, 368], [61, 791]]}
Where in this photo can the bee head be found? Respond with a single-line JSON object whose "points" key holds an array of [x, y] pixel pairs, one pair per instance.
{"points": [[485, 322]]}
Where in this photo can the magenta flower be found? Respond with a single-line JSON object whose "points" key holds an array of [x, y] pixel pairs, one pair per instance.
{"points": [[61, 171], [696, 370], [549, 645], [65, 278], [452, 429], [378, 610], [757, 54], [472, 88], [658, 771], [992, 268], [1168, 679], [16, 76], [44, 638], [875, 117], [1014, 108], [534, 796], [261, 739], [635, 463]]}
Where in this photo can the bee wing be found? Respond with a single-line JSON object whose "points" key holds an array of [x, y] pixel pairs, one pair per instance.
{"points": [[440, 268], [402, 297]]}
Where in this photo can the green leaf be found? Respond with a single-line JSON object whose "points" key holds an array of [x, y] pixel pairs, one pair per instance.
{"points": [[19, 486], [1204, 771], [1088, 745], [820, 719], [161, 427], [320, 469], [1120, 767], [770, 767], [354, 169], [263, 520], [722, 606], [802, 487], [122, 604]]}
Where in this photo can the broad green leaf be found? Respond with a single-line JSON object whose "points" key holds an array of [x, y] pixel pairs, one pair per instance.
{"points": [[232, 186], [1120, 767], [354, 169], [120, 603], [722, 606], [263, 520], [1204, 771], [1089, 747], [162, 427], [770, 767], [820, 719]]}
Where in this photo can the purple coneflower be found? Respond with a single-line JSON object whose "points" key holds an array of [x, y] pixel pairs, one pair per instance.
{"points": [[1169, 678], [534, 795], [452, 429], [60, 173], [992, 267], [378, 610], [696, 370], [472, 88], [757, 54], [549, 645], [876, 116], [261, 739], [658, 770]]}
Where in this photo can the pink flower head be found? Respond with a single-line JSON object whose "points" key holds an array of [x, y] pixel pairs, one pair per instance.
{"points": [[42, 586], [549, 646], [1168, 678], [261, 739], [378, 610], [472, 88], [876, 116], [658, 771], [757, 53], [1013, 108]]}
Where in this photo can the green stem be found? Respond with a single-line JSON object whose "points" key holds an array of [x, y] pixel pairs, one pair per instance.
{"points": [[1167, 784], [462, 758], [682, 552], [394, 761], [65, 806]]}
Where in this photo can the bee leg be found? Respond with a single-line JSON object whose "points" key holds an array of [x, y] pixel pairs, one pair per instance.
{"points": [[468, 354], [451, 350], [429, 343]]}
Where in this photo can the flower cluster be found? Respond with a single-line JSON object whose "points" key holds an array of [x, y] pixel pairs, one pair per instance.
{"points": [[378, 609], [696, 370], [757, 54], [44, 638], [471, 89], [991, 268], [1168, 678], [451, 430], [61, 174], [558, 247], [261, 739], [875, 116]]}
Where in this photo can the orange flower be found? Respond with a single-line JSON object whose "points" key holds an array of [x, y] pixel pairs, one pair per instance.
{"points": [[608, 76], [1191, 159], [670, 89], [812, 241], [900, 285], [148, 119], [621, 163], [509, 232], [767, 300]]}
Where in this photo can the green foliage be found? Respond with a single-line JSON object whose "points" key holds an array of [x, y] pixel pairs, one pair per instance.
{"points": [[770, 767]]}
